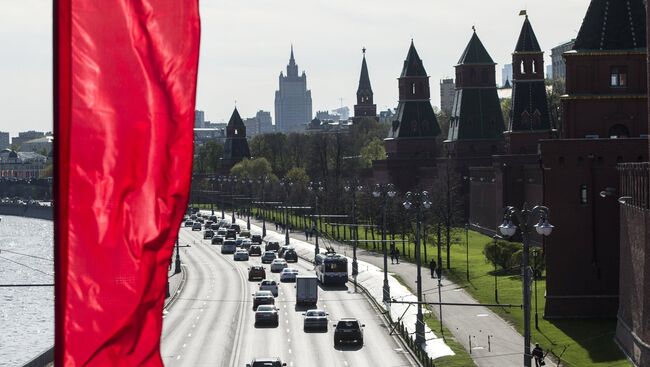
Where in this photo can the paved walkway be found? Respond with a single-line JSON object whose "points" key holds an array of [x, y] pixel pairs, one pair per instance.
{"points": [[494, 342]]}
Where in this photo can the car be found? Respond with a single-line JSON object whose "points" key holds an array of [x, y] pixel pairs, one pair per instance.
{"points": [[245, 233], [207, 224], [208, 234], [193, 216], [315, 319], [240, 255], [256, 238], [189, 223], [263, 298], [268, 257], [228, 247], [246, 243], [256, 273], [214, 227], [272, 246], [269, 285], [213, 218], [255, 250], [217, 240], [282, 250], [266, 362], [235, 227], [239, 241], [231, 234], [266, 314], [196, 226], [348, 330], [200, 220], [291, 256], [288, 275], [222, 232], [277, 265]]}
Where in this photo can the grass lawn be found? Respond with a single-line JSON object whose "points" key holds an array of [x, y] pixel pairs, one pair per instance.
{"points": [[577, 342]]}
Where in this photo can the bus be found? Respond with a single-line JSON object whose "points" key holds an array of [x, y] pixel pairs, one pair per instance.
{"points": [[331, 269]]}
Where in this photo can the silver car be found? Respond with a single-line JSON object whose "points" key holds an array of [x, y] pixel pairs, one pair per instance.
{"points": [[277, 265], [266, 314], [240, 255], [315, 319], [288, 275]]}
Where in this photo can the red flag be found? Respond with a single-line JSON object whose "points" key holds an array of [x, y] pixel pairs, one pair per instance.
{"points": [[124, 86]]}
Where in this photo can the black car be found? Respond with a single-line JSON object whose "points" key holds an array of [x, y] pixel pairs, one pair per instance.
{"points": [[217, 240], [208, 234], [262, 298], [214, 227], [231, 234], [189, 223], [290, 256], [213, 218], [235, 227], [256, 273], [255, 250], [272, 246], [256, 238], [266, 362], [348, 331]]}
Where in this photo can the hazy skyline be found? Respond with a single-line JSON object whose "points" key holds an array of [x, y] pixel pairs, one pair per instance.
{"points": [[245, 45]]}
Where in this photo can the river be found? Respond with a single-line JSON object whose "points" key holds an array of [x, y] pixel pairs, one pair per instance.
{"points": [[26, 313]]}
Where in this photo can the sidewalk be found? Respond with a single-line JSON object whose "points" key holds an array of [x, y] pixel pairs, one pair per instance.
{"points": [[176, 281], [494, 342]]}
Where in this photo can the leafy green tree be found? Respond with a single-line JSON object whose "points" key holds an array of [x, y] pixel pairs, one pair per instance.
{"points": [[373, 151], [506, 106], [207, 158], [253, 168], [502, 253]]}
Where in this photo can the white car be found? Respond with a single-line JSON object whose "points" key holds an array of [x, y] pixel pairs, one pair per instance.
{"points": [[277, 265], [288, 275], [240, 255], [269, 285]]}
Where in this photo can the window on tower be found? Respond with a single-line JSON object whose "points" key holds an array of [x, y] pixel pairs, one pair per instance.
{"points": [[522, 68], [413, 88], [618, 77]]}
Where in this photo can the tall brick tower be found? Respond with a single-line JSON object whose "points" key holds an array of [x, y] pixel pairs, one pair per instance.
{"points": [[236, 146], [365, 106]]}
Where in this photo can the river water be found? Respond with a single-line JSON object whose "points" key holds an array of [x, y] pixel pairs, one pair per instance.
{"points": [[26, 313]]}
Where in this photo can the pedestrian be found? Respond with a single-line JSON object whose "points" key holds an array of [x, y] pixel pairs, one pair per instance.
{"points": [[306, 234], [397, 255], [538, 354], [392, 256], [432, 265]]}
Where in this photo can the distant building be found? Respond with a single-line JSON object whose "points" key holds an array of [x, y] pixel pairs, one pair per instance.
{"points": [[387, 117], [25, 136], [447, 91], [292, 100], [201, 136], [549, 72], [236, 146], [199, 119], [4, 140], [260, 124], [506, 74], [325, 116], [39, 145], [557, 60], [343, 112], [21, 164], [365, 106]]}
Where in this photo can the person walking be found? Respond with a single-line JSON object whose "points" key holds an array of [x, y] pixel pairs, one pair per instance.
{"points": [[538, 354], [392, 256], [306, 234], [397, 255], [432, 266]]}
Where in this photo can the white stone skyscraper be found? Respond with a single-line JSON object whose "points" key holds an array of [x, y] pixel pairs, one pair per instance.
{"points": [[292, 100]]}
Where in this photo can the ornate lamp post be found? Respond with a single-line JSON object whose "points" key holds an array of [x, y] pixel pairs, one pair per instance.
{"points": [[354, 187], [222, 180], [263, 181], [508, 229], [418, 201], [316, 188], [177, 263], [384, 192], [286, 183], [249, 183]]}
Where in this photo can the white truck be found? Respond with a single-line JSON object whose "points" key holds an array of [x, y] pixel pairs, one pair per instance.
{"points": [[306, 290]]}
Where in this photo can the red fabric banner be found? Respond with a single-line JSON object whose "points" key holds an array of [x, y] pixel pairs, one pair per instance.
{"points": [[124, 93]]}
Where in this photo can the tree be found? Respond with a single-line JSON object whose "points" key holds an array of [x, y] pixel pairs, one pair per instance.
{"points": [[208, 156], [252, 169], [554, 91], [502, 253], [506, 106], [372, 152]]}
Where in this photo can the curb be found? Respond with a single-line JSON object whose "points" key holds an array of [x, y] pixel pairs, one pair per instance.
{"points": [[169, 302]]}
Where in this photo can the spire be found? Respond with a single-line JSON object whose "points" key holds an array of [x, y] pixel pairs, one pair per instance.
{"points": [[475, 52], [292, 61], [235, 120], [527, 39], [613, 25], [413, 64], [364, 78], [292, 68]]}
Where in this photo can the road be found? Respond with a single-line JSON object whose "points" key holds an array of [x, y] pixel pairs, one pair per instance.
{"points": [[212, 322]]}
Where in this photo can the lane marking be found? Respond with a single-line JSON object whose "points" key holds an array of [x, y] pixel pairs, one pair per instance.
{"points": [[189, 335]]}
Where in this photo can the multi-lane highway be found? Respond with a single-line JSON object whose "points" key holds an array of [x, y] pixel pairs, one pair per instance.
{"points": [[212, 321]]}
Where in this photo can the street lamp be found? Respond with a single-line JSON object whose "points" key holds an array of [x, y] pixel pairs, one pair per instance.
{"points": [[177, 263], [384, 192], [286, 183], [250, 202], [508, 229], [418, 201], [316, 188], [263, 181], [467, 249], [222, 180], [232, 180], [354, 187]]}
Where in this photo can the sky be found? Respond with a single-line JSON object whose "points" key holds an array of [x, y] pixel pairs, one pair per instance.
{"points": [[246, 43]]}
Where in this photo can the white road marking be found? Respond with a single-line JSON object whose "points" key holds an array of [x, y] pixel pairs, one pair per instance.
{"points": [[482, 315], [179, 357], [184, 345], [345, 363], [189, 335], [289, 351]]}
